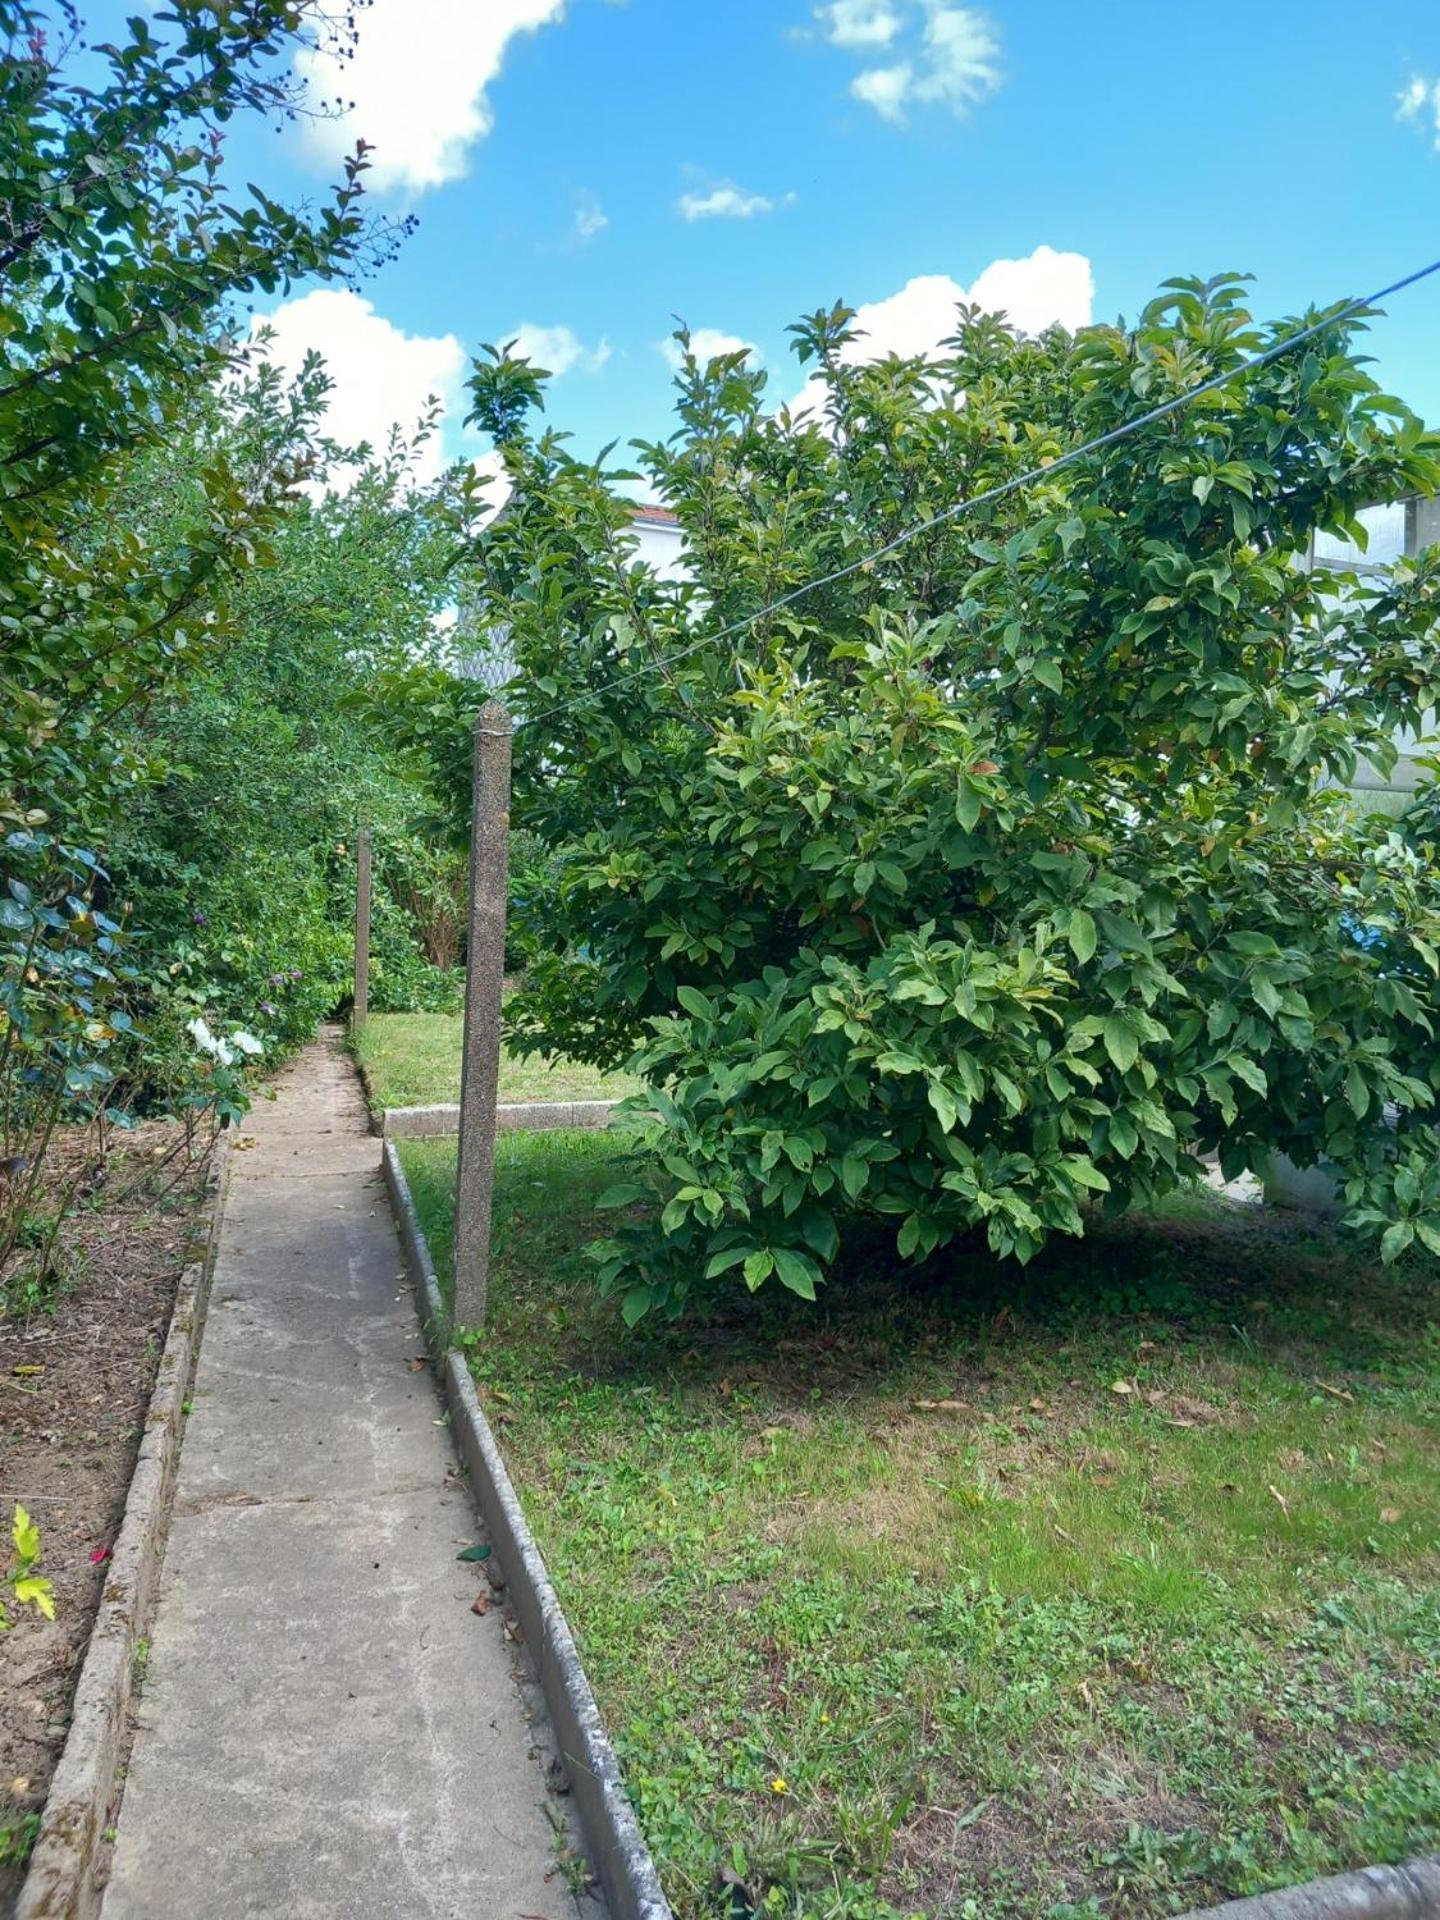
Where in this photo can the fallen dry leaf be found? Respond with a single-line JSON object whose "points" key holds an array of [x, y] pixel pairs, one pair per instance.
{"points": [[939, 1406], [481, 1603], [1121, 1387], [1280, 1500], [1390, 1515], [415, 1365], [1335, 1393], [31, 1368], [1037, 1406]]}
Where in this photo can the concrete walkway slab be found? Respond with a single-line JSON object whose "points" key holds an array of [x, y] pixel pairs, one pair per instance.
{"points": [[327, 1729]]}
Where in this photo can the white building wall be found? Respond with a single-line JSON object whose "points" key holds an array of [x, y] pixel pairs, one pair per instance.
{"points": [[661, 546]]}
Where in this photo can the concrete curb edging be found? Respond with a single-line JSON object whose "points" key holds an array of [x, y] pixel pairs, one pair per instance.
{"points": [[617, 1847], [1411, 1892], [60, 1883], [524, 1116]]}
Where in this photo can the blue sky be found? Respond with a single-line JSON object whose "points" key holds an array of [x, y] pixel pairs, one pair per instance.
{"points": [[849, 149]]}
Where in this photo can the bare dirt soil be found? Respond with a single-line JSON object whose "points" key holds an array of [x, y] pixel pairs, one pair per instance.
{"points": [[79, 1347]]}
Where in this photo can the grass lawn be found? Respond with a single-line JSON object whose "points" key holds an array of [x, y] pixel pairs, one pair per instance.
{"points": [[413, 1060], [1105, 1589]]}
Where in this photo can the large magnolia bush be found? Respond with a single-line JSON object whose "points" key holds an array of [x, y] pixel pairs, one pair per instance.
{"points": [[1011, 872]]}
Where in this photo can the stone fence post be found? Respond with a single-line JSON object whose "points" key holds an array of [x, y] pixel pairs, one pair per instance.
{"points": [[484, 980]]}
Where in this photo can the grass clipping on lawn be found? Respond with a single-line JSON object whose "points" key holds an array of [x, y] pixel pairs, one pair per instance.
{"points": [[1107, 1588]]}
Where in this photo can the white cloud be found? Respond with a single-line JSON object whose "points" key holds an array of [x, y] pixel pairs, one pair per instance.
{"points": [[725, 202], [418, 84], [859, 23], [886, 89], [591, 219], [1044, 288], [558, 349], [946, 56], [1420, 101], [706, 343], [490, 468], [383, 377], [962, 52]]}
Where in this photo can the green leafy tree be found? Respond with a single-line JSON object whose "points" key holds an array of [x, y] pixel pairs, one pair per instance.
{"points": [[238, 858], [122, 254], [1011, 870], [121, 251]]}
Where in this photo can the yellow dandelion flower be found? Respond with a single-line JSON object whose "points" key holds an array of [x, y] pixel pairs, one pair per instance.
{"points": [[779, 1786]]}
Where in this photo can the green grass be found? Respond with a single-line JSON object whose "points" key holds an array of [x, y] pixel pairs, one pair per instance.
{"points": [[19, 1830], [1145, 1618], [413, 1060]]}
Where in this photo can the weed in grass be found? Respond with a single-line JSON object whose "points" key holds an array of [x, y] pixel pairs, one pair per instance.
{"points": [[1106, 1587]]}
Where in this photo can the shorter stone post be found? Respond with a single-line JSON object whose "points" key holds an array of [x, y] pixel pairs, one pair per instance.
{"points": [[484, 980], [360, 1010]]}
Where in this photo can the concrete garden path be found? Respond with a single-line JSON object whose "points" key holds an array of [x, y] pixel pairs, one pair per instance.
{"points": [[326, 1727]]}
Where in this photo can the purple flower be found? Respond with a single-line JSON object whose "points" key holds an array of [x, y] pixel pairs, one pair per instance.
{"points": [[277, 979], [265, 1007], [199, 918]]}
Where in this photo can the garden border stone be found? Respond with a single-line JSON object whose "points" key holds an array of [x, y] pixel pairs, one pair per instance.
{"points": [[525, 1116], [61, 1881], [617, 1847]]}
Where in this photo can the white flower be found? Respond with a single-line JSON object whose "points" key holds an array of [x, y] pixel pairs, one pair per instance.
{"points": [[200, 1033], [218, 1049], [225, 1051]]}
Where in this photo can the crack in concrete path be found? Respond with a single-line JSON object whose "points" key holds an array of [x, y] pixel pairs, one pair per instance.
{"points": [[328, 1729]]}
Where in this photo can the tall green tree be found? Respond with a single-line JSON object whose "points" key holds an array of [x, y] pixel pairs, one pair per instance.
{"points": [[122, 253], [122, 250], [1009, 872], [238, 858]]}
